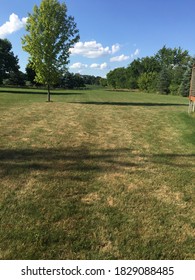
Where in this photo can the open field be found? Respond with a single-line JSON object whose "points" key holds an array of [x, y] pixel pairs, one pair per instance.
{"points": [[96, 175]]}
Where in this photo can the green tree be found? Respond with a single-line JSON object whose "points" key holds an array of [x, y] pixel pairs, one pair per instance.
{"points": [[70, 81], [8, 62], [172, 57], [176, 78], [51, 34], [67, 81], [174, 63], [78, 81], [163, 81], [111, 78], [117, 78], [16, 78], [103, 82], [121, 77], [184, 88], [147, 81], [133, 71], [149, 64], [162, 72], [30, 74]]}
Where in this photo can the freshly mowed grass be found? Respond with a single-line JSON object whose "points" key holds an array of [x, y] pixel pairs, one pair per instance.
{"points": [[96, 174]]}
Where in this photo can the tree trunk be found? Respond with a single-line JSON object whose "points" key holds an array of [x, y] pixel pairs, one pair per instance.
{"points": [[48, 93]]}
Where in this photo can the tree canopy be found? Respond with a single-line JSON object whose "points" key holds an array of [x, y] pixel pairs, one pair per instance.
{"points": [[8, 62], [166, 72], [51, 33]]}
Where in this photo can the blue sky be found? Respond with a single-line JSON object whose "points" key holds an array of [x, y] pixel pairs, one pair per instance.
{"points": [[113, 32]]}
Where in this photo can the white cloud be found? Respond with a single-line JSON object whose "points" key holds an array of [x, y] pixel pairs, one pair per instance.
{"points": [[119, 58], [78, 65], [94, 65], [123, 57], [14, 24], [115, 48], [136, 53], [99, 66], [103, 66], [92, 49]]}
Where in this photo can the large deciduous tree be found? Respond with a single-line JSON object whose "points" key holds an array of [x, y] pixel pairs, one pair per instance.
{"points": [[51, 34], [8, 62]]}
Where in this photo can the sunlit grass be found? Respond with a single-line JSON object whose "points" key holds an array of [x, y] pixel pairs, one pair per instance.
{"points": [[96, 174]]}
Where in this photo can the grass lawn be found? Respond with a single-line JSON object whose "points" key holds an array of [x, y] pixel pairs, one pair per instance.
{"points": [[96, 175]]}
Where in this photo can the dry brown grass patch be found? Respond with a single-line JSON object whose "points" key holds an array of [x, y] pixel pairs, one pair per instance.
{"points": [[91, 198]]}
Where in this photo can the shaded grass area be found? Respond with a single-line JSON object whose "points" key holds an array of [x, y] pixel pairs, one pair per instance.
{"points": [[145, 104], [35, 91], [80, 181]]}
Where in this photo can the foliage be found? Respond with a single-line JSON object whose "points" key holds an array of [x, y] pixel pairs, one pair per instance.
{"points": [[133, 72], [163, 72], [147, 81], [8, 62], [91, 79], [184, 87], [70, 81], [51, 33], [103, 82], [163, 81], [30, 74], [15, 79], [67, 80], [117, 78], [172, 57]]}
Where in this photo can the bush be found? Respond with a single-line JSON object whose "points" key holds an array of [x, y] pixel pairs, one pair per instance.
{"points": [[147, 81]]}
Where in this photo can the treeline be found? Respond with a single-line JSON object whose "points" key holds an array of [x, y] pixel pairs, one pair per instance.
{"points": [[167, 72], [67, 81], [10, 74]]}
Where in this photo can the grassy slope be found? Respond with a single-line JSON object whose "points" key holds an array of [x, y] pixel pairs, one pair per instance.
{"points": [[96, 175]]}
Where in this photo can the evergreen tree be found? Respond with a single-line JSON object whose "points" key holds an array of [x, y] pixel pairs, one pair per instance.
{"points": [[184, 88], [163, 81]]}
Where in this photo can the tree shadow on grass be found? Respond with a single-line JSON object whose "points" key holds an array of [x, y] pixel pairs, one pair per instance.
{"points": [[82, 160], [61, 160], [146, 104], [60, 216]]}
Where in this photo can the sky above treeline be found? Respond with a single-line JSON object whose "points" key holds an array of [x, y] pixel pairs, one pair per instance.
{"points": [[112, 32]]}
